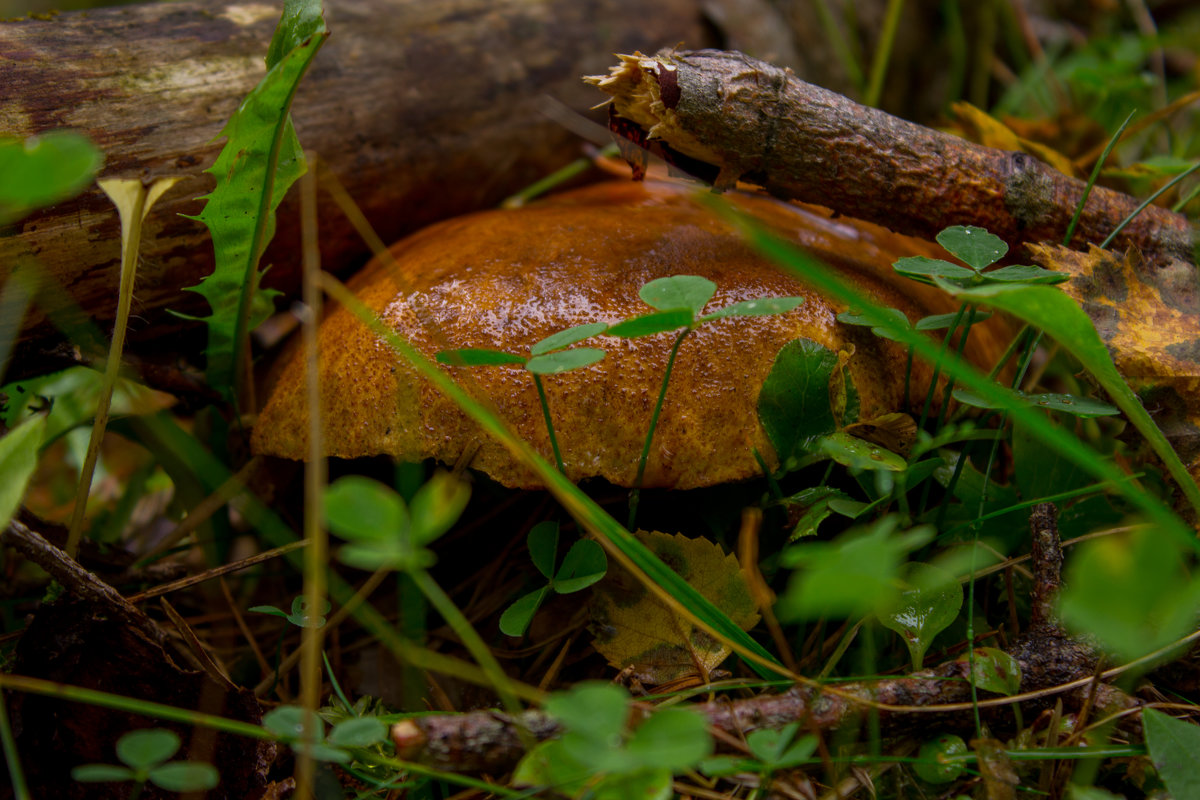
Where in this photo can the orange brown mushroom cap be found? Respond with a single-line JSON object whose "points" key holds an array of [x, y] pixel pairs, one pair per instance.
{"points": [[505, 279]]}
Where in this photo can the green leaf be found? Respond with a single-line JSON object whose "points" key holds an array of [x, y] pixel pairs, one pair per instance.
{"points": [[287, 722], [516, 618], [780, 749], [303, 617], [937, 322], [478, 357], [793, 404], [595, 710], [261, 159], [1130, 591], [814, 504], [859, 454], [651, 324], [568, 337], [358, 732], [973, 246], [44, 170], [18, 459], [924, 269], [851, 576], [1024, 273], [147, 748], [584, 564], [185, 776], [436, 506], [102, 773], [1078, 406], [897, 317], [361, 509], [671, 738], [928, 605], [564, 360], [689, 292], [542, 542], [932, 764], [762, 307], [645, 784], [995, 671], [1173, 745]]}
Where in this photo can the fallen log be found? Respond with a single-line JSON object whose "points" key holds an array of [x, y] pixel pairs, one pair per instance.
{"points": [[423, 109]]}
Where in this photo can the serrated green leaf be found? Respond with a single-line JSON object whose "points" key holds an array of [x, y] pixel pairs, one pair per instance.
{"points": [[676, 292], [793, 404], [516, 618], [583, 565], [567, 337], [1173, 745], [564, 360], [478, 357], [780, 749], [924, 269], [974, 246], [651, 324], [1024, 273], [762, 307], [18, 459], [185, 776], [44, 170], [146, 748], [259, 162], [928, 604]]}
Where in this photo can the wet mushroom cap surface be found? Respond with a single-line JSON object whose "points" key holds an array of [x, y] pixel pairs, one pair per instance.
{"points": [[506, 279]]}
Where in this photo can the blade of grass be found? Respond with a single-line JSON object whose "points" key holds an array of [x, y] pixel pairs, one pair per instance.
{"points": [[1087, 190], [1133, 214]]}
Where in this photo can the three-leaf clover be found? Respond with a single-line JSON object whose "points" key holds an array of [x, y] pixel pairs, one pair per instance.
{"points": [[144, 755], [300, 615], [546, 357], [978, 249], [583, 565], [382, 530]]}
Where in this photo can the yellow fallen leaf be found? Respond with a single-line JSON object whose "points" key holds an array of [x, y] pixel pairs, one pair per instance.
{"points": [[633, 628]]}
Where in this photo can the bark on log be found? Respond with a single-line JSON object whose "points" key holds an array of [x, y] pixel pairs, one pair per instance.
{"points": [[743, 119], [424, 109]]}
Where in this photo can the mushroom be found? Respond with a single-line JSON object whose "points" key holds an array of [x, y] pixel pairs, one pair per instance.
{"points": [[505, 279]]}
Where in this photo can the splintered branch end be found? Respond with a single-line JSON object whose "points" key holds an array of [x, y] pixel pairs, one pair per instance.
{"points": [[646, 91]]}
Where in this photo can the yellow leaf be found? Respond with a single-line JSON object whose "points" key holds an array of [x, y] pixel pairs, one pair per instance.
{"points": [[633, 628]]}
